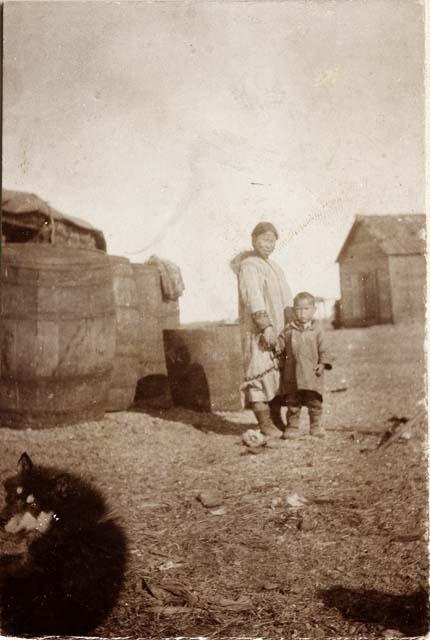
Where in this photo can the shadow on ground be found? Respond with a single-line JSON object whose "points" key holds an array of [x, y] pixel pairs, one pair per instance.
{"points": [[201, 420], [407, 613]]}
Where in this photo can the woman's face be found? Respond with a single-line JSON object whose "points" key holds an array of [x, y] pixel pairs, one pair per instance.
{"points": [[264, 244]]}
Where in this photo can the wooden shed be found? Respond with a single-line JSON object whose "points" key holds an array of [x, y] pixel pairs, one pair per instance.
{"points": [[383, 270]]}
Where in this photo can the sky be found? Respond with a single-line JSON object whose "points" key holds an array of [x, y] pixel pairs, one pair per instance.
{"points": [[176, 126]]}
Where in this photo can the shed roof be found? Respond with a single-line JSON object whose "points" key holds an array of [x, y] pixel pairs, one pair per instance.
{"points": [[21, 202], [399, 234]]}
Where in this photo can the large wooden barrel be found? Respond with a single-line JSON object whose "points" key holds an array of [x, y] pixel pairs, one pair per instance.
{"points": [[126, 366], [156, 314], [57, 335], [169, 314], [205, 367]]}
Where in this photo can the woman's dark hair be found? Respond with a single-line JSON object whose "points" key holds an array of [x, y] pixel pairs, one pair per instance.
{"points": [[264, 227]]}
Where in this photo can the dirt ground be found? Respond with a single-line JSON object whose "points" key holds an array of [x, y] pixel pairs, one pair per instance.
{"points": [[314, 538]]}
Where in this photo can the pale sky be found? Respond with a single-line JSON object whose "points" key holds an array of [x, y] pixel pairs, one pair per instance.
{"points": [[176, 126]]}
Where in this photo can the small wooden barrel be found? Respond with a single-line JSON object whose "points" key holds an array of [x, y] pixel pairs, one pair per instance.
{"points": [[156, 314], [126, 365], [205, 367], [57, 335]]}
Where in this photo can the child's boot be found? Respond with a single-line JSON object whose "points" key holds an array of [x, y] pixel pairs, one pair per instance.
{"points": [[293, 422], [316, 429]]}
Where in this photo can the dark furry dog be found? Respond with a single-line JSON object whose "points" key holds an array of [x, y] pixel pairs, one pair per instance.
{"points": [[68, 566]]}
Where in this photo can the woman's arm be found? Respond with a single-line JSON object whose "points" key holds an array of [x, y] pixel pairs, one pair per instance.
{"points": [[251, 285]]}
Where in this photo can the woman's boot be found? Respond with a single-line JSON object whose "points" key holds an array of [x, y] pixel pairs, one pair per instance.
{"points": [[262, 413], [275, 407]]}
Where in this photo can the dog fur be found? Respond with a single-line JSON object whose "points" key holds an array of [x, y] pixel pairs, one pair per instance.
{"points": [[67, 572]]}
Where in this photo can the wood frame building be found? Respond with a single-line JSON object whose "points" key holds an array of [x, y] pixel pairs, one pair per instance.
{"points": [[382, 270]]}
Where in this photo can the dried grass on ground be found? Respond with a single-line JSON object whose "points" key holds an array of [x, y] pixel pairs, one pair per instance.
{"points": [[259, 567]]}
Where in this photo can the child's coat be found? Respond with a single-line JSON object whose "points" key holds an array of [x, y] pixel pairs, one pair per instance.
{"points": [[303, 349]]}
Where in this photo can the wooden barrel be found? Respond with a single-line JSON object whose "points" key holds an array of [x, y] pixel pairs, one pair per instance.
{"points": [[156, 314], [57, 335], [205, 367], [169, 314], [126, 365]]}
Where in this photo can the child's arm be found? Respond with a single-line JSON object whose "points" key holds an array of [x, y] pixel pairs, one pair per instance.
{"points": [[281, 343], [325, 358], [283, 346]]}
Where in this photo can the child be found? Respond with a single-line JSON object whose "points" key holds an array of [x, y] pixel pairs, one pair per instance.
{"points": [[305, 358]]}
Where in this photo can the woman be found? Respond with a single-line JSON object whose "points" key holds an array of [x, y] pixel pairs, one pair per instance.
{"points": [[264, 297]]}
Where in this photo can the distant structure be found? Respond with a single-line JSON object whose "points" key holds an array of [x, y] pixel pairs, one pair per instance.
{"points": [[28, 218], [325, 310], [383, 270]]}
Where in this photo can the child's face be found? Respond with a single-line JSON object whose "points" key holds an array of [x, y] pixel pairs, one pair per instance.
{"points": [[304, 310], [264, 244]]}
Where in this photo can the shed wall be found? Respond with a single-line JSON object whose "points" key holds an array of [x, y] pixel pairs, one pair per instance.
{"points": [[363, 303], [365, 282], [408, 278]]}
